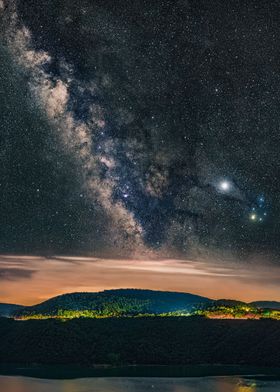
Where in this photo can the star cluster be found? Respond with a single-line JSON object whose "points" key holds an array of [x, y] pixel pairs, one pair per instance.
{"points": [[148, 127]]}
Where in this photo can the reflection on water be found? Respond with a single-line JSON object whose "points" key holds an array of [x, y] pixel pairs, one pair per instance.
{"points": [[204, 384]]}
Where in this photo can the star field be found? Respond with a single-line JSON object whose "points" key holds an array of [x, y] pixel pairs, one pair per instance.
{"points": [[140, 128]]}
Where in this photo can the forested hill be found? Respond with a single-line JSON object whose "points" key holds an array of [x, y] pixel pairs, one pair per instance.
{"points": [[7, 310], [266, 304], [114, 303], [136, 303]]}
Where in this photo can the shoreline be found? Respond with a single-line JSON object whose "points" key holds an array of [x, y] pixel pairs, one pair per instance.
{"points": [[57, 372]]}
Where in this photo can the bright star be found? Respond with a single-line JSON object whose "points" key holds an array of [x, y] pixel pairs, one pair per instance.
{"points": [[225, 185]]}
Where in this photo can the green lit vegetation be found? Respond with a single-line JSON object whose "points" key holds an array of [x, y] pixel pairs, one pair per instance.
{"points": [[239, 312], [218, 312]]}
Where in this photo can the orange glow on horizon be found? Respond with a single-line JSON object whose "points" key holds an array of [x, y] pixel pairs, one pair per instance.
{"points": [[32, 279]]}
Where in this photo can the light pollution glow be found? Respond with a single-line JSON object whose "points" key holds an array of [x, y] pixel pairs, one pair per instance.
{"points": [[33, 279]]}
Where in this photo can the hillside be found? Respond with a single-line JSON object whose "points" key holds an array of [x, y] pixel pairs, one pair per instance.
{"points": [[7, 310], [114, 303], [139, 303], [266, 304], [150, 340]]}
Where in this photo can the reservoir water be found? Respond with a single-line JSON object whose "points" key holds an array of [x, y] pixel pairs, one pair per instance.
{"points": [[137, 384]]}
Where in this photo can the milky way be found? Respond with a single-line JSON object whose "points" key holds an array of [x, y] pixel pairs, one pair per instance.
{"points": [[140, 128]]}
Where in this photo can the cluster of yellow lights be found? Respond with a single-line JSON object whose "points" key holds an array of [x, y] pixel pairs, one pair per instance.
{"points": [[247, 388]]}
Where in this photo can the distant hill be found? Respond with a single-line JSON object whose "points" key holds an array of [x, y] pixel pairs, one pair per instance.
{"points": [[228, 302], [139, 303], [114, 303], [266, 304], [7, 310]]}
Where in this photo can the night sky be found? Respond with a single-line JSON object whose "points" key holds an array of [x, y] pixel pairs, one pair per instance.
{"points": [[140, 129]]}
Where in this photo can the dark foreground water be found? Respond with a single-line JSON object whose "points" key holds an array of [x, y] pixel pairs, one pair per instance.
{"points": [[126, 384]]}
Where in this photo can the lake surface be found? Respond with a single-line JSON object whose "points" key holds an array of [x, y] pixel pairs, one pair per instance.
{"points": [[126, 384]]}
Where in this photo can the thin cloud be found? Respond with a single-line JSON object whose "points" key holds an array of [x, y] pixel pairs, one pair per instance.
{"points": [[15, 274]]}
